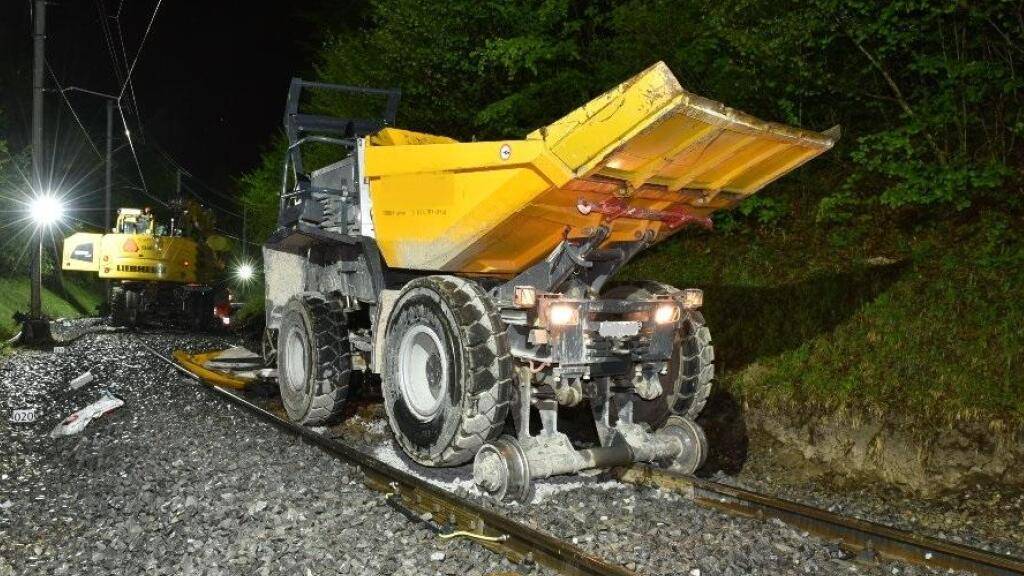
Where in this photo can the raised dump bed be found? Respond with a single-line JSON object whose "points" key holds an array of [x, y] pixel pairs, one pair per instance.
{"points": [[473, 277], [646, 155]]}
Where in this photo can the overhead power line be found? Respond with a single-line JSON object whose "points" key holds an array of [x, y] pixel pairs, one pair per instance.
{"points": [[177, 165], [145, 35], [74, 114]]}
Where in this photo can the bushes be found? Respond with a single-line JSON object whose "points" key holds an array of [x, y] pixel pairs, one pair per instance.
{"points": [[928, 92]]}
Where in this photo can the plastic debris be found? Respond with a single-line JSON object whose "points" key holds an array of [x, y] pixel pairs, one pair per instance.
{"points": [[82, 379], [77, 422], [23, 416]]}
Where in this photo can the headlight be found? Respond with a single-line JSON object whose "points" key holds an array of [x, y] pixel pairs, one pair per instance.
{"points": [[666, 313], [693, 298], [561, 314]]}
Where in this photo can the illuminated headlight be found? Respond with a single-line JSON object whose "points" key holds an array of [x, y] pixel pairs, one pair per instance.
{"points": [[692, 298], [561, 314], [525, 297], [226, 320], [666, 313]]}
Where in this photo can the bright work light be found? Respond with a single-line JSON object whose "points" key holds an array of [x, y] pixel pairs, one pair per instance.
{"points": [[46, 209], [245, 272], [666, 313], [562, 314]]}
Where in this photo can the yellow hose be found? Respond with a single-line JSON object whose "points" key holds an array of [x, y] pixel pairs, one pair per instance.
{"points": [[194, 364]]}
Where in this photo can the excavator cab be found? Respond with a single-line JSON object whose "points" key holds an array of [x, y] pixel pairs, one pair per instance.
{"points": [[134, 221]]}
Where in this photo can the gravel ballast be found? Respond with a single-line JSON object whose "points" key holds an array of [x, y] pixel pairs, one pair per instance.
{"points": [[178, 481], [990, 517], [651, 531]]}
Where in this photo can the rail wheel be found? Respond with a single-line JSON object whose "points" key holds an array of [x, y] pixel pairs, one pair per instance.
{"points": [[691, 369], [313, 360], [447, 375]]}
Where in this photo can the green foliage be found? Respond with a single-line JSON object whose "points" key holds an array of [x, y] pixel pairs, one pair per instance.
{"points": [[261, 188], [937, 323], [886, 272], [928, 91], [81, 300], [17, 233]]}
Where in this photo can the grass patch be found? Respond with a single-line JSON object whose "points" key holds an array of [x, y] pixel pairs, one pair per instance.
{"points": [[929, 323], [15, 293]]}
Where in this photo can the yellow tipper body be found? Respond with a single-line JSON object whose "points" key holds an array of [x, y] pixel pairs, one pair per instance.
{"points": [[638, 158]]}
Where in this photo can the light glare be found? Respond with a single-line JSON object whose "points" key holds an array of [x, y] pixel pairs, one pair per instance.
{"points": [[46, 210], [666, 313], [245, 272], [563, 315]]}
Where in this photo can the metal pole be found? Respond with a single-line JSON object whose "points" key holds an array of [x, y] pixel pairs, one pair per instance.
{"points": [[39, 55], [110, 145], [108, 184], [245, 244]]}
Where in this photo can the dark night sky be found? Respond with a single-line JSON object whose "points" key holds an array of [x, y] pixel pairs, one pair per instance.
{"points": [[210, 83]]}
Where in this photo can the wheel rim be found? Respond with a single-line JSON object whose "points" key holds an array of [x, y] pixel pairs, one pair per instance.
{"points": [[295, 359], [423, 372]]}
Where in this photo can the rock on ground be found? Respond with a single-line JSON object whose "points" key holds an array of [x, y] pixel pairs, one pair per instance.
{"points": [[178, 481]]}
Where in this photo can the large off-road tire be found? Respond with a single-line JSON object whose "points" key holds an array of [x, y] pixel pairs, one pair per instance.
{"points": [[447, 377], [691, 369], [313, 360], [124, 307]]}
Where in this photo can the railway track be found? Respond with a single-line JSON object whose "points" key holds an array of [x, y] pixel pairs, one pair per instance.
{"points": [[865, 538], [453, 516]]}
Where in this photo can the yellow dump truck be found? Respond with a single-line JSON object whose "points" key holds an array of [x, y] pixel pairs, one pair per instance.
{"points": [[473, 276], [159, 274]]}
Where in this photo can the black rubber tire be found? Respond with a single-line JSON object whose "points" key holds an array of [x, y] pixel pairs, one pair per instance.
{"points": [[691, 370], [117, 311], [479, 368], [315, 392], [124, 307], [200, 311]]}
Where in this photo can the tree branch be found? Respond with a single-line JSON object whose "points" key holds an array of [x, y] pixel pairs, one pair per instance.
{"points": [[898, 94]]}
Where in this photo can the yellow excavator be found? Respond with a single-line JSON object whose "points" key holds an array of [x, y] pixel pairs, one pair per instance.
{"points": [[161, 273]]}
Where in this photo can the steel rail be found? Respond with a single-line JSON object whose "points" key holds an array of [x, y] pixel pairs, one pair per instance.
{"points": [[515, 540], [520, 542], [862, 536]]}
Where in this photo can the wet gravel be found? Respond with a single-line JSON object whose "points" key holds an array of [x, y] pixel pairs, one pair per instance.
{"points": [[178, 481]]}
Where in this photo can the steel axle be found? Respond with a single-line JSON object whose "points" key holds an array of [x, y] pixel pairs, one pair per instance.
{"points": [[505, 468]]}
